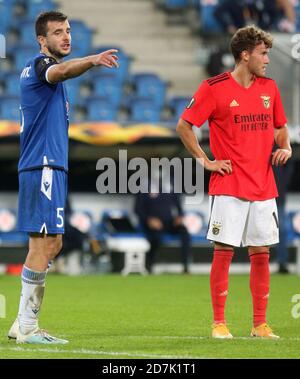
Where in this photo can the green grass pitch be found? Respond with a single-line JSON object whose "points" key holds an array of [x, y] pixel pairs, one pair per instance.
{"points": [[163, 316]]}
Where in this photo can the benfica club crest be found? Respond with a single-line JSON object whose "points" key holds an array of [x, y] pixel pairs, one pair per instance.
{"points": [[216, 226], [266, 101]]}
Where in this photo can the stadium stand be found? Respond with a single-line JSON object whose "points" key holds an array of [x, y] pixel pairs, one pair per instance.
{"points": [[144, 110], [146, 94], [10, 108], [100, 108], [177, 105]]}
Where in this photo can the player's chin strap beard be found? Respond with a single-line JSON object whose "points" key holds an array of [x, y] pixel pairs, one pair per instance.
{"points": [[56, 53]]}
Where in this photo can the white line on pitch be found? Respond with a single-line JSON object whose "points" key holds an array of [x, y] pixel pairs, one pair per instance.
{"points": [[94, 352], [204, 338]]}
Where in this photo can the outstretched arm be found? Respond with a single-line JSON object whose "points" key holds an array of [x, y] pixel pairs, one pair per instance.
{"points": [[75, 67], [284, 151], [190, 141]]}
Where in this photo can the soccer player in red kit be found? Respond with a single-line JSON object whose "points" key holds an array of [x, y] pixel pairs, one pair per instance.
{"points": [[245, 115]]}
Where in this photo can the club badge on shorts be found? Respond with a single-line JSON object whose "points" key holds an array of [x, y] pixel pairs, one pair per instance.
{"points": [[216, 226]]}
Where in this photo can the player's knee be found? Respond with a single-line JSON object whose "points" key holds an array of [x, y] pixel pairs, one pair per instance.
{"points": [[222, 246], [53, 248], [258, 250]]}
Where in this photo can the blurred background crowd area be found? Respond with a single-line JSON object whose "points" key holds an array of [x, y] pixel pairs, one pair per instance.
{"points": [[165, 48]]}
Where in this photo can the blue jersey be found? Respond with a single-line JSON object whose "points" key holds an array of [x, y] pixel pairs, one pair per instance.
{"points": [[44, 118]]}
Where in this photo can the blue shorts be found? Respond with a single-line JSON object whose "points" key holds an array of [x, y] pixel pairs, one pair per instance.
{"points": [[42, 198]]}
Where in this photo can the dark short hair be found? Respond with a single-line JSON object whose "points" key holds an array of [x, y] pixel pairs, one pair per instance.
{"points": [[247, 39], [42, 20]]}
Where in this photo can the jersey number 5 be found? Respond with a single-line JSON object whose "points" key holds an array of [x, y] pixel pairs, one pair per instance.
{"points": [[60, 217]]}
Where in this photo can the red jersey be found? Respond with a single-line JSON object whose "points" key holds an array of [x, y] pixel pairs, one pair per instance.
{"points": [[242, 122]]}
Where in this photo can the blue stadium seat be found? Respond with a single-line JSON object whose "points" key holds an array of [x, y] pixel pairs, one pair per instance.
{"points": [[292, 224], [9, 234], [144, 111], [81, 37], [177, 105], [12, 84], [21, 55], [297, 11], [109, 87], [27, 33], [207, 18], [124, 60], [34, 7], [122, 72], [10, 108], [150, 86], [100, 109], [176, 4], [196, 225], [73, 90], [6, 12], [75, 53]]}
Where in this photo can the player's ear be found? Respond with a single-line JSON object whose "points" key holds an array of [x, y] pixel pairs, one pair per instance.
{"points": [[245, 55], [41, 40]]}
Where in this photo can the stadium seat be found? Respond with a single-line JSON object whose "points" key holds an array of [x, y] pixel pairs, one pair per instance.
{"points": [[297, 11], [208, 22], [34, 7], [121, 235], [27, 32], [175, 5], [73, 90], [109, 87], [6, 13], [116, 222], [150, 86], [144, 111], [292, 223], [122, 73], [293, 234], [100, 109], [8, 228], [81, 37], [21, 55], [196, 225], [10, 108], [177, 104], [12, 84]]}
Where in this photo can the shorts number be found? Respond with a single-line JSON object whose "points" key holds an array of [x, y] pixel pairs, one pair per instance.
{"points": [[60, 217], [22, 120]]}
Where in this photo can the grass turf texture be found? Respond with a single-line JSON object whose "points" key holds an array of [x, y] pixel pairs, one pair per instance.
{"points": [[165, 316]]}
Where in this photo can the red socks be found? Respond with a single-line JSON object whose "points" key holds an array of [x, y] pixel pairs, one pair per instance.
{"points": [[219, 283], [259, 285]]}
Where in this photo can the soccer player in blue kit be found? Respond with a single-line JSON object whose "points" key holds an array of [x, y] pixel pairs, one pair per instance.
{"points": [[43, 163]]}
